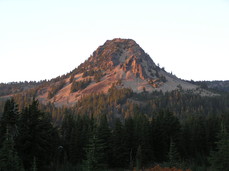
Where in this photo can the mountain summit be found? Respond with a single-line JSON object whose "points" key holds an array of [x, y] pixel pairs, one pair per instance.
{"points": [[125, 53], [125, 62], [125, 57], [119, 63]]}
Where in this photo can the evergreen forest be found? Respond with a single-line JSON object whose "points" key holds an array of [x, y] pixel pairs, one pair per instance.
{"points": [[120, 130]]}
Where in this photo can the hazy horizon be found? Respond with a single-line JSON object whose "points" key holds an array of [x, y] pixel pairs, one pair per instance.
{"points": [[45, 39]]}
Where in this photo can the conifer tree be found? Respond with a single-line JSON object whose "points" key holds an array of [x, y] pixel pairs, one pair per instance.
{"points": [[78, 139], [94, 150], [130, 141], [220, 158], [34, 165], [9, 160], [139, 158], [9, 120], [118, 146], [165, 126], [173, 154], [104, 135], [68, 134], [93, 154], [37, 137], [71, 78]]}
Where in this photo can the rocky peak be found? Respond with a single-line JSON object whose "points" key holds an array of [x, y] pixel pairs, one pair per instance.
{"points": [[119, 50], [125, 53]]}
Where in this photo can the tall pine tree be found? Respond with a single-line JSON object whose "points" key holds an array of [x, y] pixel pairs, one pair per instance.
{"points": [[37, 138], [104, 135], [9, 120], [173, 154], [220, 158], [119, 157], [139, 158], [9, 160], [94, 150]]}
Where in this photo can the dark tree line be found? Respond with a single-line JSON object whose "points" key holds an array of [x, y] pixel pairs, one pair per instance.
{"points": [[137, 141], [113, 131], [29, 139], [17, 87]]}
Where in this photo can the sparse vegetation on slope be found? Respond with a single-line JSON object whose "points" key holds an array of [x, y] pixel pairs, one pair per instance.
{"points": [[79, 85], [55, 88]]}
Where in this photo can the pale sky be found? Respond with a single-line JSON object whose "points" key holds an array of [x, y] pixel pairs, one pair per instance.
{"points": [[42, 39]]}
